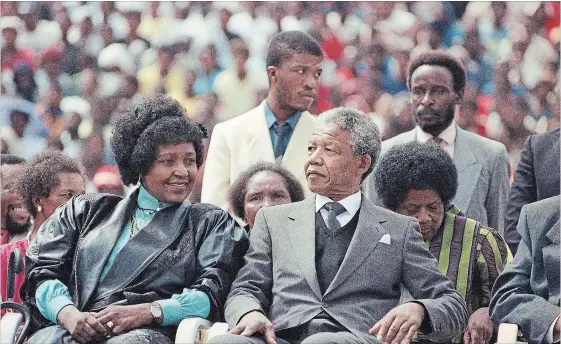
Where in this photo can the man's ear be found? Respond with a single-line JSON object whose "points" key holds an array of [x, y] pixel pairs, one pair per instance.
{"points": [[272, 73], [459, 96], [365, 162]]}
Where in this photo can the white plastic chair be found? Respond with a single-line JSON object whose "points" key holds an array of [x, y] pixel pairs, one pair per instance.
{"points": [[199, 329], [508, 334]]}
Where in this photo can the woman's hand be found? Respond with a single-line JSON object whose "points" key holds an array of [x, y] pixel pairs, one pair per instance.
{"points": [[120, 319], [82, 326], [480, 327]]}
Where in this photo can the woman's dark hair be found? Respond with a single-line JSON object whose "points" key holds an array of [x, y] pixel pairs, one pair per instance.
{"points": [[139, 130], [41, 174], [415, 166], [236, 194], [443, 59]]}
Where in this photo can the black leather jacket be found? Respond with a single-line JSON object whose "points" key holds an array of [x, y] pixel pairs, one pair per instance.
{"points": [[197, 246]]}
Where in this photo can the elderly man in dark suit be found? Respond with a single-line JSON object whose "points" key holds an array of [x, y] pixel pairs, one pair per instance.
{"points": [[536, 178], [527, 292], [328, 269]]}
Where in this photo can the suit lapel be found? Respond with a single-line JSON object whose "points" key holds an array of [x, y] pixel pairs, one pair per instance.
{"points": [[551, 263], [302, 233], [469, 170], [367, 235], [94, 250], [259, 139]]}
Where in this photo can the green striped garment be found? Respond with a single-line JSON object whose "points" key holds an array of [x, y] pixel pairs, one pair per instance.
{"points": [[471, 255]]}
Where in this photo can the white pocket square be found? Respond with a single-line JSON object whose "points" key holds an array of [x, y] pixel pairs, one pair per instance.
{"points": [[386, 239]]}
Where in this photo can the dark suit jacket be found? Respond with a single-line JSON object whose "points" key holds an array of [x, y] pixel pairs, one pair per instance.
{"points": [[527, 292], [536, 178], [280, 277]]}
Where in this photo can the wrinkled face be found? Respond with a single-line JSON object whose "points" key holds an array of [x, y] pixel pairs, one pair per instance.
{"points": [[427, 207], [331, 167], [70, 184], [173, 173], [264, 189], [433, 98], [13, 212], [296, 80]]}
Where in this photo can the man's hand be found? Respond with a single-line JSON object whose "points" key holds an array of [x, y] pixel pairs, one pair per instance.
{"points": [[82, 326], [255, 322], [480, 327], [120, 319], [400, 324]]}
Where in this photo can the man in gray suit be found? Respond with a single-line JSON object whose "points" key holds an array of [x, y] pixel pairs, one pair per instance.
{"points": [[328, 269], [527, 292], [436, 82]]}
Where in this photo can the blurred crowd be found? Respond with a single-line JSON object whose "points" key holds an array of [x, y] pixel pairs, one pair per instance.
{"points": [[69, 67]]}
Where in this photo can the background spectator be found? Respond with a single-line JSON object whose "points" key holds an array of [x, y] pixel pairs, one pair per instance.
{"points": [[510, 49]]}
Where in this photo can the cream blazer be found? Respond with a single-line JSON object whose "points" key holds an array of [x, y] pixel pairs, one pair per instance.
{"points": [[240, 142]]}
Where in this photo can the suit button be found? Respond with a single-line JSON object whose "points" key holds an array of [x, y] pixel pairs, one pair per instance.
{"points": [[324, 304]]}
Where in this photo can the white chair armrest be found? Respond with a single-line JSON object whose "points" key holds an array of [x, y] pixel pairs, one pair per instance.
{"points": [[217, 329], [9, 326], [507, 333], [188, 330]]}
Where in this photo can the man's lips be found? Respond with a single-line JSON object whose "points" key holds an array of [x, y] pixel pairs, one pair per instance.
{"points": [[308, 173]]}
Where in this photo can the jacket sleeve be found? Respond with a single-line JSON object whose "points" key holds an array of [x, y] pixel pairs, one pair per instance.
{"points": [[221, 245], [523, 191], [50, 255], [513, 299], [499, 186], [216, 177], [252, 288], [428, 286]]}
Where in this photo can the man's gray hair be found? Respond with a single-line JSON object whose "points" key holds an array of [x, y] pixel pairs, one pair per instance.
{"points": [[365, 135]]}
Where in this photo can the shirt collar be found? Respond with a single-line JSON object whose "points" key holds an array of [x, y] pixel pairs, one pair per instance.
{"points": [[351, 203], [147, 201], [448, 134], [271, 119]]}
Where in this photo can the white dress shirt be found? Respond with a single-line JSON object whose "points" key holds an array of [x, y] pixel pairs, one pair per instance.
{"points": [[351, 204], [448, 136]]}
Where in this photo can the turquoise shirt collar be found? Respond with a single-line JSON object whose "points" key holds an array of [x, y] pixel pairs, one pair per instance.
{"points": [[147, 201], [271, 119]]}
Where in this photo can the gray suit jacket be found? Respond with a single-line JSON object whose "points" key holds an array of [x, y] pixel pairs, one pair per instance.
{"points": [[483, 176], [280, 279], [527, 292]]}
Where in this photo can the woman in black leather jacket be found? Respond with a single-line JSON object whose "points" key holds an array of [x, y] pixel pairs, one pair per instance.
{"points": [[114, 270]]}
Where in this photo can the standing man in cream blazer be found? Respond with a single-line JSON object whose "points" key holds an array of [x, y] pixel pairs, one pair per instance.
{"points": [[436, 83], [279, 128]]}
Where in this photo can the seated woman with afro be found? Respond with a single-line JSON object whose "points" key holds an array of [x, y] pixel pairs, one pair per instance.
{"points": [[109, 269], [420, 180]]}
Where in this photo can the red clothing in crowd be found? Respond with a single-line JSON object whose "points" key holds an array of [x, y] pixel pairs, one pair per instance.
{"points": [[5, 237], [21, 56], [4, 259]]}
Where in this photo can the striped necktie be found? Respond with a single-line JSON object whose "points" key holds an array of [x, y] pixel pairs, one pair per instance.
{"points": [[333, 210]]}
